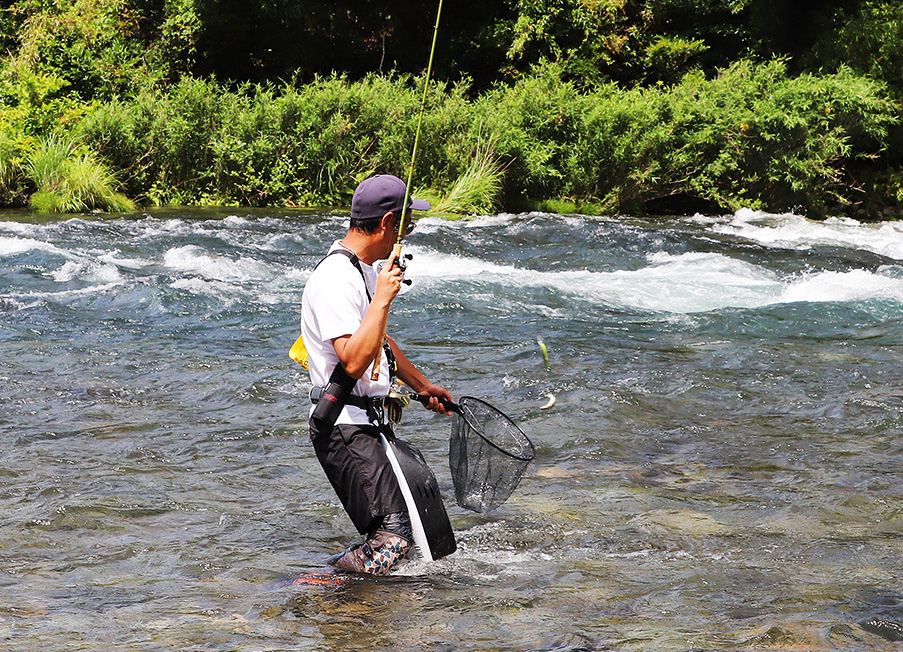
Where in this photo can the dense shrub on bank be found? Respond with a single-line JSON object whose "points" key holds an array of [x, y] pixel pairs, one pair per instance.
{"points": [[266, 145], [752, 136]]}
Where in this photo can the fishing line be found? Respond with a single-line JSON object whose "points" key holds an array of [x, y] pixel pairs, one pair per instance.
{"points": [[407, 189]]}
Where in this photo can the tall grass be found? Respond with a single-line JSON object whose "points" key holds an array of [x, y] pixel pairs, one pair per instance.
{"points": [[478, 189], [71, 180]]}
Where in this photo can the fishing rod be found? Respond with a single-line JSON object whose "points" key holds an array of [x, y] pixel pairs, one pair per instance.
{"points": [[407, 188]]}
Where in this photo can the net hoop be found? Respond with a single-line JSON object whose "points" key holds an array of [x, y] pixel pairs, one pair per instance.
{"points": [[466, 414], [487, 455]]}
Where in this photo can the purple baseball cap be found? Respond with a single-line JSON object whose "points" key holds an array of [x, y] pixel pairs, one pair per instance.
{"points": [[381, 194]]}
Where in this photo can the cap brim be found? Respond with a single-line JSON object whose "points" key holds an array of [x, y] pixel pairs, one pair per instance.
{"points": [[419, 205]]}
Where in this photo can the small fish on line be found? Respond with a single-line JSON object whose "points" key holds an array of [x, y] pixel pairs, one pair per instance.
{"points": [[544, 351]]}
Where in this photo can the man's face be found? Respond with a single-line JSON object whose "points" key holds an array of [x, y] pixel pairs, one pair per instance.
{"points": [[409, 225]]}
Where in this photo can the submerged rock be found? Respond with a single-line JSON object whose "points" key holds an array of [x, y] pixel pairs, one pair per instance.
{"points": [[777, 636], [684, 521], [886, 629]]}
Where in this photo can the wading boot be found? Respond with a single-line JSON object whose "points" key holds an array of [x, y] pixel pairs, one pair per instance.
{"points": [[377, 555]]}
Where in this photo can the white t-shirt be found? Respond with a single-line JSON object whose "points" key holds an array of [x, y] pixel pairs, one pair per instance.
{"points": [[333, 304]]}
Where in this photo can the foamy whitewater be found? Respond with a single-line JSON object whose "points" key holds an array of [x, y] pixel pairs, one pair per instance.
{"points": [[720, 469]]}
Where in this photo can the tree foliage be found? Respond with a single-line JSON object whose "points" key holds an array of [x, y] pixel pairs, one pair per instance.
{"points": [[103, 47], [627, 104]]}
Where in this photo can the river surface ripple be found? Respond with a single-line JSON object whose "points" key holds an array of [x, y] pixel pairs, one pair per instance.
{"points": [[721, 469]]}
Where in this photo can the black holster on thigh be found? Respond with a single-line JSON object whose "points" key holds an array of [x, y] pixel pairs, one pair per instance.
{"points": [[335, 396]]}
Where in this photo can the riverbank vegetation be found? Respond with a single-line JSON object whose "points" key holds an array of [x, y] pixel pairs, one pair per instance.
{"points": [[605, 107]]}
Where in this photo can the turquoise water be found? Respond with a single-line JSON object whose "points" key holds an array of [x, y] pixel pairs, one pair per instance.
{"points": [[720, 471]]}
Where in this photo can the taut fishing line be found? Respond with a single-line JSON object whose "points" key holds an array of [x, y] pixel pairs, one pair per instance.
{"points": [[407, 188], [488, 453]]}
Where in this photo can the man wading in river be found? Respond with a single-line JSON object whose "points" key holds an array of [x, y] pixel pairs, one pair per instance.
{"points": [[352, 362]]}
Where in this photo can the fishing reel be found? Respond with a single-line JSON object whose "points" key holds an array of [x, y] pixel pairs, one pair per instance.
{"points": [[402, 263], [396, 402]]}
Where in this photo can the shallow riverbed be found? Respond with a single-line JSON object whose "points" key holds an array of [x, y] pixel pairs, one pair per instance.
{"points": [[721, 469]]}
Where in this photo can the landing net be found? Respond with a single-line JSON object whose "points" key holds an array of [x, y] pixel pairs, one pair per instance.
{"points": [[487, 454]]}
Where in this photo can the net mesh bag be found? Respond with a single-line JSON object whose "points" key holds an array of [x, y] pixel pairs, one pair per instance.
{"points": [[487, 454]]}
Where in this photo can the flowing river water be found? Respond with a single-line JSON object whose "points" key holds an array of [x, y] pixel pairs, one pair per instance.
{"points": [[721, 469]]}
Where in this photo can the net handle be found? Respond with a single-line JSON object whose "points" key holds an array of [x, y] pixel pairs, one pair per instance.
{"points": [[450, 406]]}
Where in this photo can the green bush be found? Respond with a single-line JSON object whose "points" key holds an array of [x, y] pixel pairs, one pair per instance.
{"points": [[618, 156], [201, 142], [113, 77], [12, 179], [161, 141], [534, 124], [97, 47], [867, 36], [751, 136]]}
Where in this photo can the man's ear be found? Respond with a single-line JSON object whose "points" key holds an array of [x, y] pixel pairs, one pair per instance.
{"points": [[386, 221]]}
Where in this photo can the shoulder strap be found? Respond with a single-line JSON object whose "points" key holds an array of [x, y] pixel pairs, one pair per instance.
{"points": [[352, 257]]}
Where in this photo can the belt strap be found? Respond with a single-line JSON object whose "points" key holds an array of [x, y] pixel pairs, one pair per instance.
{"points": [[366, 403]]}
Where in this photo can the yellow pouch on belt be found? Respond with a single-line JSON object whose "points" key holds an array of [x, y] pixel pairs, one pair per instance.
{"points": [[298, 352]]}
